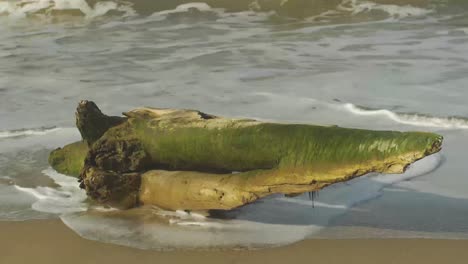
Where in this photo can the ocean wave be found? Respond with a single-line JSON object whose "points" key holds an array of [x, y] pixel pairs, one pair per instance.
{"points": [[67, 198], [411, 118], [288, 8], [28, 132], [393, 10], [24, 8]]}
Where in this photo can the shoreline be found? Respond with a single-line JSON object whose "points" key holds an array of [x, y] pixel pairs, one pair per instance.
{"points": [[50, 241]]}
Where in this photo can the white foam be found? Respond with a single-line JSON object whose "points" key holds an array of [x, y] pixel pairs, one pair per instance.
{"points": [[203, 7], [195, 5], [396, 11], [179, 214], [411, 119], [28, 132], [48, 139], [20, 9], [66, 198], [16, 206], [24, 8], [104, 209], [161, 15]]}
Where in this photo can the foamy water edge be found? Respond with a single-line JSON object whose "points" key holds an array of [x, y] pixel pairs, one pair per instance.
{"points": [[410, 119]]}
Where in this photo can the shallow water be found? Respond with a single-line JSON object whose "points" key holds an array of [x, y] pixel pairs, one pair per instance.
{"points": [[383, 64]]}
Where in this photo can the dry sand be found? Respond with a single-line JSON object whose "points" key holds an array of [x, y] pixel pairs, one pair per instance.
{"points": [[51, 242]]}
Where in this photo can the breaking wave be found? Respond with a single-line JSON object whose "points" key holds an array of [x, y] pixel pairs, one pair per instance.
{"points": [[393, 10], [28, 132], [323, 9], [24, 8], [411, 118], [66, 198]]}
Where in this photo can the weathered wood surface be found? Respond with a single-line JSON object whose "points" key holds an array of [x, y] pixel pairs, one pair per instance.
{"points": [[186, 159]]}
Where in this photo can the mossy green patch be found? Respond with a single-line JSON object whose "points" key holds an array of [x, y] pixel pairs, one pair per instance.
{"points": [[69, 160], [274, 146]]}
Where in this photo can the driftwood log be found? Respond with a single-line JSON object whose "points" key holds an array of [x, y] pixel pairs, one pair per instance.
{"points": [[185, 159]]}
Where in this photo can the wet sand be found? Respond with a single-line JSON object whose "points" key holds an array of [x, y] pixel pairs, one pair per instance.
{"points": [[50, 241]]}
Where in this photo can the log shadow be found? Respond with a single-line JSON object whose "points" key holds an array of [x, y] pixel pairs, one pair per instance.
{"points": [[399, 209]]}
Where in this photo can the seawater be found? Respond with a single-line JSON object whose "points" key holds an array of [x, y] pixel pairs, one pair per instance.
{"points": [[382, 64]]}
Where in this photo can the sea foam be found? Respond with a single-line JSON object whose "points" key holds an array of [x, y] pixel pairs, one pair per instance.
{"points": [[411, 119], [28, 132], [23, 8], [393, 10], [66, 198]]}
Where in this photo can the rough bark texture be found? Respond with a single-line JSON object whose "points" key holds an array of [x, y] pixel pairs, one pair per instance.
{"points": [[185, 159], [92, 123]]}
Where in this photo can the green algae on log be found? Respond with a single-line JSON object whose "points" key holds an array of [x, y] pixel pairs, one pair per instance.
{"points": [[69, 160], [185, 159]]}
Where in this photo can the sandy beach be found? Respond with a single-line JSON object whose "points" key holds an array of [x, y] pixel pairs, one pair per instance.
{"points": [[49, 241], [331, 83]]}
